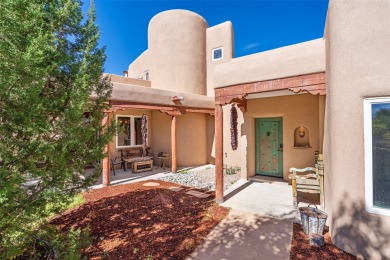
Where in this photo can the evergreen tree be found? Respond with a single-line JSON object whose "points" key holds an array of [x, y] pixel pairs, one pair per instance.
{"points": [[50, 128]]}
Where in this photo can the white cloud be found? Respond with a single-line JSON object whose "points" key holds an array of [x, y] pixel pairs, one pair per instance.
{"points": [[250, 46]]}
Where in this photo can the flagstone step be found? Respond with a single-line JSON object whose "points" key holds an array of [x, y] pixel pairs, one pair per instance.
{"points": [[198, 194], [151, 184], [175, 188]]}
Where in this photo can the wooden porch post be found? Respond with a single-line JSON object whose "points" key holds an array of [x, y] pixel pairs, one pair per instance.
{"points": [[173, 144], [218, 153], [106, 160]]}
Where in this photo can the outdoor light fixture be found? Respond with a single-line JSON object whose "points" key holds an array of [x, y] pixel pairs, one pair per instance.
{"points": [[301, 132], [177, 98]]}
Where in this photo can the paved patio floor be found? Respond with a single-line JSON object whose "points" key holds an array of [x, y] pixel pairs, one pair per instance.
{"points": [[271, 199], [267, 197], [125, 177]]}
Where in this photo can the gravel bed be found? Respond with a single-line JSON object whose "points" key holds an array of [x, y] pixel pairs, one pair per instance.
{"points": [[201, 179]]}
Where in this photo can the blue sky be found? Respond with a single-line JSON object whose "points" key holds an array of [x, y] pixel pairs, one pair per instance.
{"points": [[258, 25]]}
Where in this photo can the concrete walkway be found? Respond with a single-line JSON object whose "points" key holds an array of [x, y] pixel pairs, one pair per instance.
{"points": [[259, 225], [244, 235], [270, 199]]}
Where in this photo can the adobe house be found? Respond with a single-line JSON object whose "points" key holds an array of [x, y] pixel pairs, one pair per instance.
{"points": [[330, 95], [170, 90]]}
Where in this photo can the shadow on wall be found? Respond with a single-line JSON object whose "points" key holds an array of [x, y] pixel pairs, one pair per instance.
{"points": [[359, 232], [247, 237]]}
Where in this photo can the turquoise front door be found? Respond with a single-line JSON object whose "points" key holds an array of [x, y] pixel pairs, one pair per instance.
{"points": [[269, 146]]}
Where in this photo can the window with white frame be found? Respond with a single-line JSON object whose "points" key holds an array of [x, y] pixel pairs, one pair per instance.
{"points": [[217, 53], [129, 133], [377, 154], [146, 75]]}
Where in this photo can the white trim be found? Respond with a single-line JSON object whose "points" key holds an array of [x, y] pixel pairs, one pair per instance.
{"points": [[212, 53], [132, 133], [368, 102]]}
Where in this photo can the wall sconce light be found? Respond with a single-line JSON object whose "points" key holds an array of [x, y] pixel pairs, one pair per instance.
{"points": [[177, 98], [301, 132]]}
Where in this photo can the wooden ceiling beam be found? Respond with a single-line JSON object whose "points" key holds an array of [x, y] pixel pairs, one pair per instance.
{"points": [[174, 110]]}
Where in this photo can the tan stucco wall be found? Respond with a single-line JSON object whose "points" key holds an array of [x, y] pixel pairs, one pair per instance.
{"points": [[128, 80], [191, 137], [298, 59], [177, 49], [210, 123], [358, 62], [238, 157], [321, 122], [131, 112], [138, 67], [296, 110], [217, 36]]}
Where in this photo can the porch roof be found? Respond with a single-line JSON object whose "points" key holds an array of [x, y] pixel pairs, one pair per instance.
{"points": [[128, 94], [294, 60], [136, 94]]}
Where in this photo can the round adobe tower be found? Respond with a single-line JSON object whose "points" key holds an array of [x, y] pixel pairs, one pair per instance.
{"points": [[177, 49]]}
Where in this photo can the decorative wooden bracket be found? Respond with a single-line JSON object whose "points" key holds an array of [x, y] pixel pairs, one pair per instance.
{"points": [[319, 89], [241, 104], [239, 100], [169, 110], [314, 84], [176, 112]]}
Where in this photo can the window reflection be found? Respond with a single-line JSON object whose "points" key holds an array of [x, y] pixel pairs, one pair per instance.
{"points": [[124, 134], [381, 154]]}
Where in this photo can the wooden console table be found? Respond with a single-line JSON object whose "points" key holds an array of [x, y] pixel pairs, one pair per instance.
{"points": [[140, 164]]}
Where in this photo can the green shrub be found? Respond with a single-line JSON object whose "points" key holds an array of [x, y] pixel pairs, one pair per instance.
{"points": [[48, 243], [230, 170], [183, 171], [50, 129]]}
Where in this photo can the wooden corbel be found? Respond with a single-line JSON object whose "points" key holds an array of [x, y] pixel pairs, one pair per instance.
{"points": [[241, 104], [319, 89], [175, 112], [239, 100]]}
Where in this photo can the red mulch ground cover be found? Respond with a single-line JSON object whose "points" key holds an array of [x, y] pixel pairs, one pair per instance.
{"points": [[301, 249], [137, 222]]}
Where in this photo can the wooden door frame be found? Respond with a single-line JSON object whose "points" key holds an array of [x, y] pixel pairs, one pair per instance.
{"points": [[257, 144]]}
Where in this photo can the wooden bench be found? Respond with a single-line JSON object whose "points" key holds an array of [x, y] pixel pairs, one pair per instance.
{"points": [[309, 179]]}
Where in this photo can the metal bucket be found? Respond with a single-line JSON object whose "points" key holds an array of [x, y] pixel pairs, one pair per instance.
{"points": [[313, 220]]}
